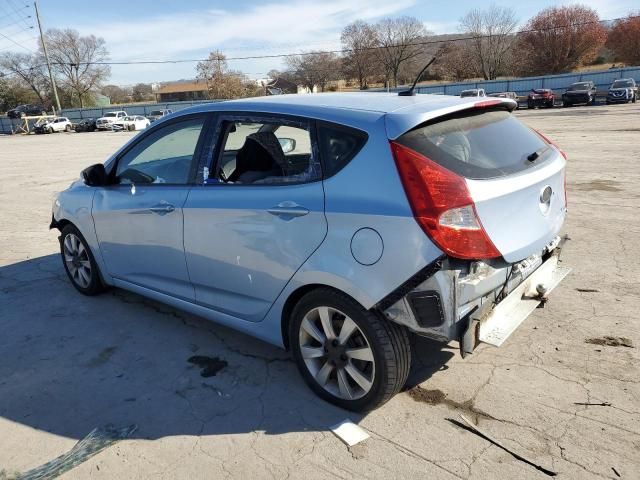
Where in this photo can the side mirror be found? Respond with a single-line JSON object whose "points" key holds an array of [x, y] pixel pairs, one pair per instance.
{"points": [[287, 144], [95, 175]]}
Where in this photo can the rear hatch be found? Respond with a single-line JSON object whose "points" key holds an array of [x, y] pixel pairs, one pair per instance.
{"points": [[514, 178]]}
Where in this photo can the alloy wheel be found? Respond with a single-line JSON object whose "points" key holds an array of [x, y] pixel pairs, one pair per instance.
{"points": [[337, 353], [76, 259]]}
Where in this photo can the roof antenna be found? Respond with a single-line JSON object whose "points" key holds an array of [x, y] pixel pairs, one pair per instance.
{"points": [[410, 92]]}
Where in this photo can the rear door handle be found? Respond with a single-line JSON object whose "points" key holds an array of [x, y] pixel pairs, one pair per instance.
{"points": [[288, 209], [162, 209]]}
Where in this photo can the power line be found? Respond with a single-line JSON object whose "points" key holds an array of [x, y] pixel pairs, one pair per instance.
{"points": [[15, 9], [15, 22], [16, 43], [347, 50], [15, 14]]}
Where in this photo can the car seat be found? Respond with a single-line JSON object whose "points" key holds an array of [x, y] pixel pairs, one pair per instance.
{"points": [[261, 156]]}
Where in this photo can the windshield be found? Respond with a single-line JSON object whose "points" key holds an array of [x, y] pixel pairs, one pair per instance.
{"points": [[622, 84], [110, 114], [469, 93], [129, 119], [480, 144], [541, 90], [156, 112], [579, 86]]}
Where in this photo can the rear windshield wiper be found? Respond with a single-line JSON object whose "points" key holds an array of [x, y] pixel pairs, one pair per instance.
{"points": [[532, 157]]}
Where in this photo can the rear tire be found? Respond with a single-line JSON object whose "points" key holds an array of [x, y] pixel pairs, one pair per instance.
{"points": [[79, 263], [349, 356], [67, 128]]}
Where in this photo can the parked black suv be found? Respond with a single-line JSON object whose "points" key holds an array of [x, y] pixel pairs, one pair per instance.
{"points": [[579, 93], [26, 111]]}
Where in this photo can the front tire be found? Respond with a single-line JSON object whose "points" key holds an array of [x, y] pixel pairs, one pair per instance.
{"points": [[79, 263], [349, 356]]}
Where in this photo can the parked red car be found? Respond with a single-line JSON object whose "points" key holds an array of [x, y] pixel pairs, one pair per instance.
{"points": [[539, 97]]}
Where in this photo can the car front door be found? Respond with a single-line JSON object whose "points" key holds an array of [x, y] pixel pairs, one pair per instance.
{"points": [[139, 216], [257, 218]]}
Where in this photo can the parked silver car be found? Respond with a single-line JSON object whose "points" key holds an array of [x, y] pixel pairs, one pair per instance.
{"points": [[332, 225]]}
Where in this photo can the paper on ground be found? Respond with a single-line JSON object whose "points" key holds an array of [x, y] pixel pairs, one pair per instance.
{"points": [[349, 432]]}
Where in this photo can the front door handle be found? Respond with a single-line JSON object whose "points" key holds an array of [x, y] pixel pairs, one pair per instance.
{"points": [[288, 210], [162, 209]]}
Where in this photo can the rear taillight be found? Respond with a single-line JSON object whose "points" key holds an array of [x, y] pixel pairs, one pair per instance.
{"points": [[442, 205]]}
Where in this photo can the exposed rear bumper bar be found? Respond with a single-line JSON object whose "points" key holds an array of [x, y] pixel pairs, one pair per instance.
{"points": [[507, 315]]}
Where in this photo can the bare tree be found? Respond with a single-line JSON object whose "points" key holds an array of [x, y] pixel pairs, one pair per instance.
{"points": [[78, 61], [142, 92], [223, 83], [314, 69], [455, 61], [493, 31], [559, 39], [29, 69], [359, 62], [396, 39], [116, 94], [13, 91]]}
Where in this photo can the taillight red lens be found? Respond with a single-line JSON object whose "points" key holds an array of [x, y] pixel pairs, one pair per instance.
{"points": [[442, 206], [487, 103]]}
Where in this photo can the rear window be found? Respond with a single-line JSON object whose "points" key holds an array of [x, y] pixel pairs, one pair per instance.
{"points": [[478, 145], [338, 145]]}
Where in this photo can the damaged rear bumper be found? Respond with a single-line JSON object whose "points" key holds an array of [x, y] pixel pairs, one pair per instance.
{"points": [[477, 301], [503, 319]]}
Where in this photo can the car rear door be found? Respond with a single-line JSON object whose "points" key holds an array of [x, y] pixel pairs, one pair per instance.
{"points": [[514, 176], [139, 217], [247, 230]]}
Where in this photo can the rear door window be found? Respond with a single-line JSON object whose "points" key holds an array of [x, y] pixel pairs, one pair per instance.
{"points": [[480, 144], [267, 153], [338, 145]]}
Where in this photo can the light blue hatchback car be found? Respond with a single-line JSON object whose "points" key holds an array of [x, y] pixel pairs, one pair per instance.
{"points": [[332, 225]]}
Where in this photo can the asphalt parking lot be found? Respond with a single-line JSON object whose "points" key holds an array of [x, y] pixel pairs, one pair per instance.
{"points": [[563, 391]]}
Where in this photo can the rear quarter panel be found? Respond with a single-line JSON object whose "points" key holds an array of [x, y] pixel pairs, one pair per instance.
{"points": [[366, 193]]}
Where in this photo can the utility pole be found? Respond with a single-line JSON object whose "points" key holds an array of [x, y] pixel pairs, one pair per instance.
{"points": [[46, 56]]}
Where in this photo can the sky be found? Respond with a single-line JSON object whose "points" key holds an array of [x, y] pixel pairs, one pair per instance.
{"points": [[190, 29]]}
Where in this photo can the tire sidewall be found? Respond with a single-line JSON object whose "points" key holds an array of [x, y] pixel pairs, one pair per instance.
{"points": [[359, 316], [95, 285]]}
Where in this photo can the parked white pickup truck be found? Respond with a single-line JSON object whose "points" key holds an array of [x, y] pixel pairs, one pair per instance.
{"points": [[106, 122]]}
